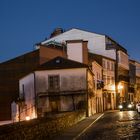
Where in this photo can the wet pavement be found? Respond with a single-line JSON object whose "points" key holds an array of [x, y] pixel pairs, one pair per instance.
{"points": [[112, 125], [123, 125]]}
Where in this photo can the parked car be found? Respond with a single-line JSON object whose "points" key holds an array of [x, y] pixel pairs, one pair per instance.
{"points": [[126, 106]]}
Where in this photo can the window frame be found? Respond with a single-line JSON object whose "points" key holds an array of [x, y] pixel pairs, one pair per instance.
{"points": [[53, 82]]}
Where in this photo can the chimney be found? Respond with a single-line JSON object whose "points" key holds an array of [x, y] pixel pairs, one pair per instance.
{"points": [[56, 32]]}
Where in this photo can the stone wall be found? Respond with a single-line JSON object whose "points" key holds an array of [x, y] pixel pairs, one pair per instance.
{"points": [[39, 129]]}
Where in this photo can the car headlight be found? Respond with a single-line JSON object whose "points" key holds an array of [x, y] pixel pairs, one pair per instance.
{"points": [[120, 106], [129, 106]]}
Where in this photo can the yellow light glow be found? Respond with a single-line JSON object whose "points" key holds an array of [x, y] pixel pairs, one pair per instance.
{"points": [[120, 87], [27, 118], [112, 87]]}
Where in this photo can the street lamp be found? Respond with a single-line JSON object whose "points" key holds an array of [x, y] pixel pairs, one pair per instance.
{"points": [[120, 87], [27, 118]]}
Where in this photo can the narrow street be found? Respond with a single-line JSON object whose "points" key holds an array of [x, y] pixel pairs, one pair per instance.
{"points": [[114, 126]]}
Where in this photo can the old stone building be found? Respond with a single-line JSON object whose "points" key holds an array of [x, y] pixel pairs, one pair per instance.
{"points": [[12, 70], [97, 70], [105, 46], [108, 80], [58, 85], [134, 81]]}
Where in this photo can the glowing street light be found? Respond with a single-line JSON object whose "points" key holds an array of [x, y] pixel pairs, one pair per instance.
{"points": [[27, 118], [120, 87], [113, 87]]}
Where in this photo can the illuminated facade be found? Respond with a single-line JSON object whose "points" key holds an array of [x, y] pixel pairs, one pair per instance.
{"points": [[97, 70], [105, 46], [57, 86]]}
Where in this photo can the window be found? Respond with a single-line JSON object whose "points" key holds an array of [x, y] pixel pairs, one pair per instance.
{"points": [[104, 79], [108, 79], [53, 81], [112, 80], [104, 64], [108, 65], [112, 66], [98, 76], [22, 94]]}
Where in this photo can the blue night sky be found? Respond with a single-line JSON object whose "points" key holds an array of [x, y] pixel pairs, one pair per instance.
{"points": [[24, 23]]}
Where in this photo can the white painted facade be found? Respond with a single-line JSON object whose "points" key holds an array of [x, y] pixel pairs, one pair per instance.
{"points": [[70, 79], [25, 108], [34, 86], [96, 42], [27, 89], [75, 51]]}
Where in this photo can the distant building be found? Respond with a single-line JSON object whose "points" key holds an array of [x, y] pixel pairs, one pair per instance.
{"points": [[108, 79], [137, 80], [98, 72], [134, 81], [81, 46], [58, 85], [105, 46]]}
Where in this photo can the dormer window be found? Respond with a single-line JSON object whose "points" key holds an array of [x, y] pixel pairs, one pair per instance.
{"points": [[57, 61]]}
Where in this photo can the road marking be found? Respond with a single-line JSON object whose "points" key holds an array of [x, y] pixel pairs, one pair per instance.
{"points": [[75, 138]]}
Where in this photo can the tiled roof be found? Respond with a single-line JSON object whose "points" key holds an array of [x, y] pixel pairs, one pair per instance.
{"points": [[61, 63]]}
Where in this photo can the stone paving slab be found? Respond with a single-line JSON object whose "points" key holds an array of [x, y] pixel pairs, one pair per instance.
{"points": [[75, 131]]}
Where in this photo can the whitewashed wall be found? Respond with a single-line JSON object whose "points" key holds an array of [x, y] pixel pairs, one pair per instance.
{"points": [[70, 79], [28, 82], [75, 51], [96, 42]]}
